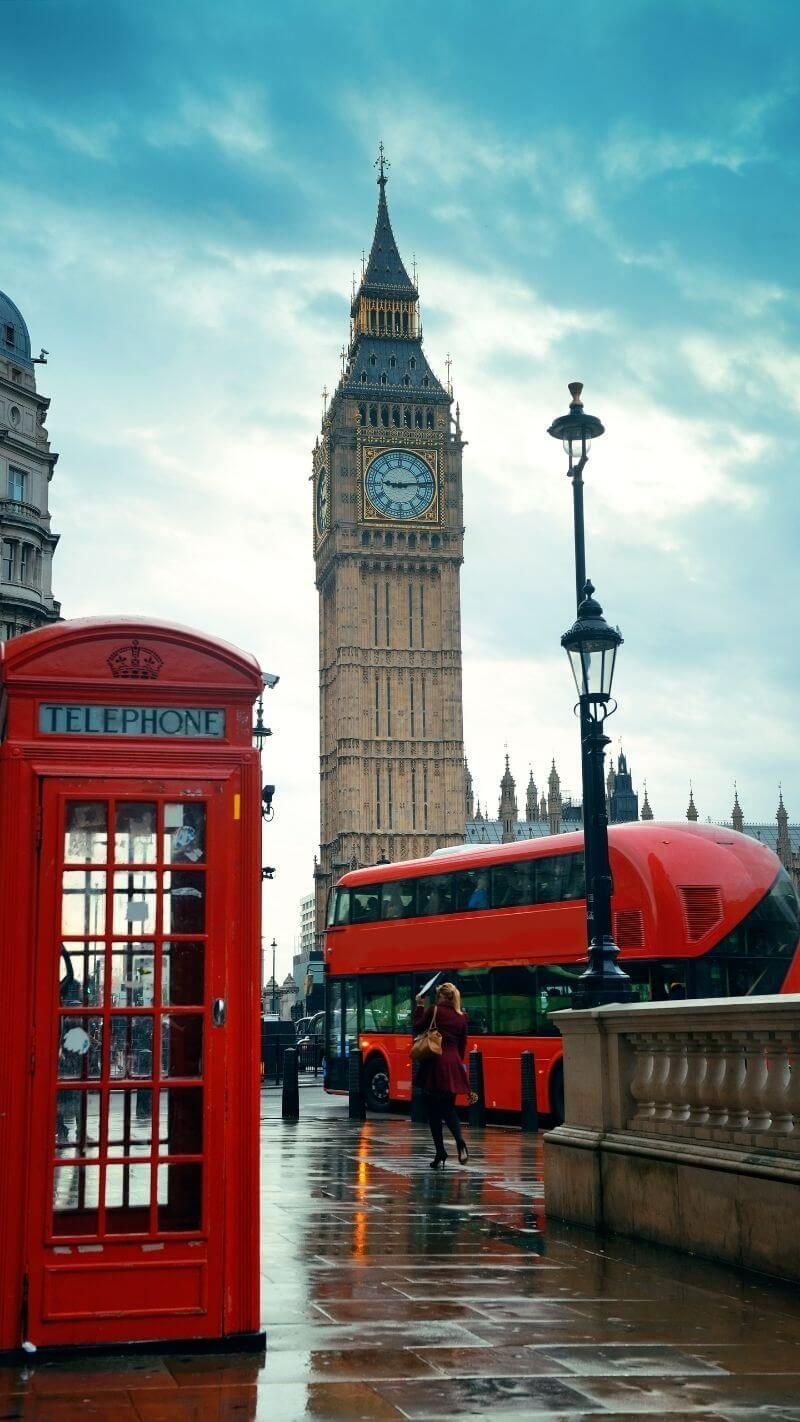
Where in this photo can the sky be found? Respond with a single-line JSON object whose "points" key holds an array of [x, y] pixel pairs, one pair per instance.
{"points": [[599, 192]]}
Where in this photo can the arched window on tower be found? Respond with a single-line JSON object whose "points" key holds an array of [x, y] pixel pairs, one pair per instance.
{"points": [[372, 321], [406, 380], [373, 360], [412, 540], [363, 377], [397, 322], [435, 540], [407, 417], [395, 415], [362, 414], [381, 321], [429, 419], [383, 377], [413, 363], [392, 361], [418, 419], [389, 540], [373, 414], [365, 540], [405, 323], [385, 416]]}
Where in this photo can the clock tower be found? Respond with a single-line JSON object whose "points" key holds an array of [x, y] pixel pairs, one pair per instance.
{"points": [[388, 547]]}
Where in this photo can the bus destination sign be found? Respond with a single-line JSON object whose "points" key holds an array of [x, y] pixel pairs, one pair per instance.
{"points": [[200, 722]]}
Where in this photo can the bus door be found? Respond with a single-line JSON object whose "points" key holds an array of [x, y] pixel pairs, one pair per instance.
{"points": [[127, 1144], [341, 1030]]}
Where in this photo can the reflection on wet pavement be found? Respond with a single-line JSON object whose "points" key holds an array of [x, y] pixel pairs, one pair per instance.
{"points": [[391, 1292]]}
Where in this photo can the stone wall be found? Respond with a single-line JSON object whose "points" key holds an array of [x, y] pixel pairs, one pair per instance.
{"points": [[682, 1126]]}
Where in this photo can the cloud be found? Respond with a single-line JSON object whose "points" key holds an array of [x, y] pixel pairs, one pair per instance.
{"points": [[640, 157], [235, 121]]}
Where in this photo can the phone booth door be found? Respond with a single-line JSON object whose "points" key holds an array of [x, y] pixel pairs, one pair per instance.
{"points": [[127, 1147]]}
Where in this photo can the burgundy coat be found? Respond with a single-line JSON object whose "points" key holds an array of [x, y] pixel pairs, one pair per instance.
{"points": [[447, 1072]]}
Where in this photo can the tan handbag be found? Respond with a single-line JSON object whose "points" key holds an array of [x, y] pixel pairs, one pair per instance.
{"points": [[428, 1043]]}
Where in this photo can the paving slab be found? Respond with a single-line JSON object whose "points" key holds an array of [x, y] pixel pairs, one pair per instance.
{"points": [[392, 1292]]}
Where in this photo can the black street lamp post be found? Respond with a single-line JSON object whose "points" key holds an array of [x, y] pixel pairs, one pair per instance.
{"points": [[576, 430], [592, 649], [273, 945]]}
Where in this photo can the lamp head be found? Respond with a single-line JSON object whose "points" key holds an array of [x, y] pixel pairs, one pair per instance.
{"points": [[591, 645], [576, 430]]}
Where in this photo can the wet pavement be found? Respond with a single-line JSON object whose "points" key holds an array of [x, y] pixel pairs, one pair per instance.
{"points": [[391, 1292]]}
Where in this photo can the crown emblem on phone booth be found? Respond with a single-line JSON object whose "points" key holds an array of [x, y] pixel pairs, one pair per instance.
{"points": [[135, 662]]}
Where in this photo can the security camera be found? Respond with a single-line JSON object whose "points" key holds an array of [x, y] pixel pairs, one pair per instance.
{"points": [[268, 871], [271, 680], [266, 801]]}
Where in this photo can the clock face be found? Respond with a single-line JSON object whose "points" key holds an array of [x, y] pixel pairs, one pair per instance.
{"points": [[400, 484], [322, 499]]}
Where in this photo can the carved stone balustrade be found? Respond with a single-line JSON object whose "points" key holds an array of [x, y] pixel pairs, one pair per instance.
{"points": [[683, 1126]]}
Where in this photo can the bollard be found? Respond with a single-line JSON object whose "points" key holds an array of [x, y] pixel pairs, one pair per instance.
{"points": [[477, 1112], [419, 1108], [290, 1100], [356, 1105], [529, 1115]]}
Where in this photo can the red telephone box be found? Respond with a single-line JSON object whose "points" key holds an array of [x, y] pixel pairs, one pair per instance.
{"points": [[129, 941]]}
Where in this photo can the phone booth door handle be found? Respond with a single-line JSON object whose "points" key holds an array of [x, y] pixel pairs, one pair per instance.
{"points": [[219, 1012]]}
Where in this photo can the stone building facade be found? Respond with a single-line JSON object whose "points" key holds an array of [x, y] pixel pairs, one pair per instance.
{"points": [[27, 543], [388, 546]]}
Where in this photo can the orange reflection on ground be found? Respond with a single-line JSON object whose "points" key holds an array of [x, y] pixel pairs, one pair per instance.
{"points": [[360, 1234]]}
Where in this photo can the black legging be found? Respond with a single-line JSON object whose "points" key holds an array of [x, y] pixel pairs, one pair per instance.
{"points": [[442, 1111]]}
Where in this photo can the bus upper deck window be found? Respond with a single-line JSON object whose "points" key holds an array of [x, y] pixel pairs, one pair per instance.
{"points": [[364, 904], [399, 899], [436, 894], [470, 890], [514, 884], [559, 877]]}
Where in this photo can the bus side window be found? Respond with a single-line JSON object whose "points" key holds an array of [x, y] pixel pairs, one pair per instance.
{"points": [[514, 1000], [513, 884], [640, 975], [574, 880], [364, 905], [403, 1004], [560, 877], [549, 874], [475, 986], [554, 986], [399, 899], [435, 894], [376, 998], [470, 890]]}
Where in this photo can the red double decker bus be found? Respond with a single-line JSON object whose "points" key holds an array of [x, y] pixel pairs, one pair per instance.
{"points": [[699, 911]]}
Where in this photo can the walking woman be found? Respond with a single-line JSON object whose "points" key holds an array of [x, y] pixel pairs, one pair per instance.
{"points": [[444, 1077]]}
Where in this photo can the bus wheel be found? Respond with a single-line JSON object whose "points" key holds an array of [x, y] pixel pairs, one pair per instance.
{"points": [[376, 1084], [557, 1093]]}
